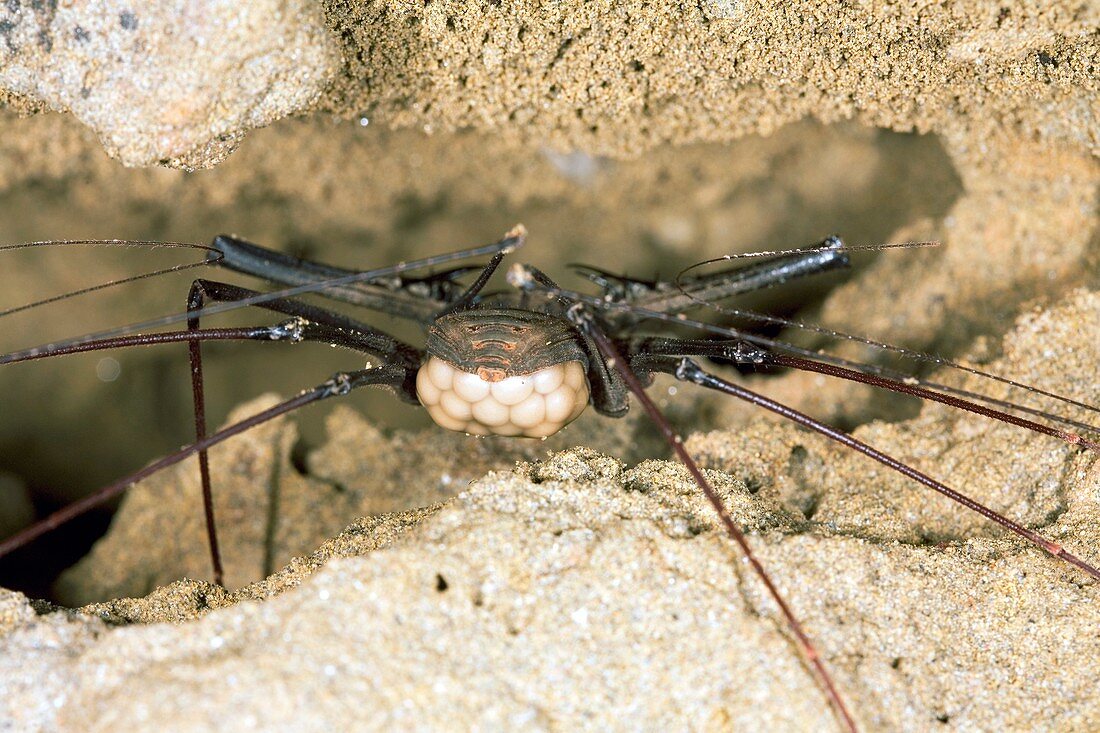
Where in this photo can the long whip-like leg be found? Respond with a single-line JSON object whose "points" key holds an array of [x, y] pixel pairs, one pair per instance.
{"points": [[335, 326], [687, 370], [611, 354], [331, 328], [652, 354], [338, 384], [895, 385], [279, 332], [195, 301]]}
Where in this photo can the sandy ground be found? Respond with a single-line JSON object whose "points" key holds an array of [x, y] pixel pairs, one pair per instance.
{"points": [[577, 592]]}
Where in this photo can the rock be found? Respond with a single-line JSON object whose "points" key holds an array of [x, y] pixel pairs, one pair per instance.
{"points": [[610, 80], [176, 85], [617, 79]]}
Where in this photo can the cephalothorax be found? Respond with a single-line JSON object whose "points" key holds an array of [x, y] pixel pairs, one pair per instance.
{"points": [[525, 362]]}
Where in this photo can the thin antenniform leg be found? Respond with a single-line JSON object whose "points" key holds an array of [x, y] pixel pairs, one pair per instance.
{"points": [[927, 394], [318, 324], [651, 354], [584, 320], [339, 384], [280, 332], [688, 371], [195, 301], [307, 323], [332, 328]]}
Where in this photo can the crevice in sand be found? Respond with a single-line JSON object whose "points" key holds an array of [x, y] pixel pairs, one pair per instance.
{"points": [[271, 530]]}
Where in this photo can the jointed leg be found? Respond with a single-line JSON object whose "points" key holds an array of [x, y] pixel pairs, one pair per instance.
{"points": [[616, 361], [687, 370], [924, 393], [341, 383], [316, 324], [351, 333], [671, 298], [651, 354], [198, 400]]}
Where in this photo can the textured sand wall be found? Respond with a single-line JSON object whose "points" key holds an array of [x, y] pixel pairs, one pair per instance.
{"points": [[606, 78]]}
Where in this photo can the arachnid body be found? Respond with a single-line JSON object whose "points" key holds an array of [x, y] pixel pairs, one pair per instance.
{"points": [[525, 362]]}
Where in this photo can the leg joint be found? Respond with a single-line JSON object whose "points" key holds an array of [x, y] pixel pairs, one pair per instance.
{"points": [[688, 371]]}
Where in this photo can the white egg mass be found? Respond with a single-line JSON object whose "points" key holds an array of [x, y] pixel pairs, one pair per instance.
{"points": [[533, 405]]}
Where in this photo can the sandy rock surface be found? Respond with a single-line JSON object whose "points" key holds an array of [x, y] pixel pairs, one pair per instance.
{"points": [[175, 84], [576, 592], [615, 78]]}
